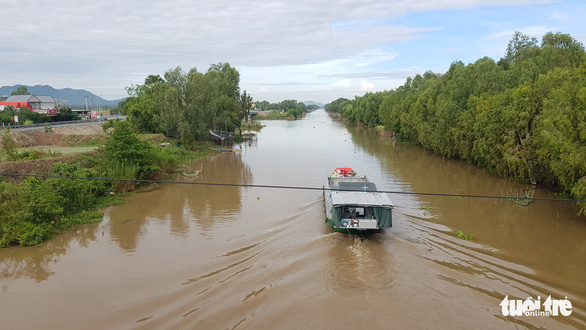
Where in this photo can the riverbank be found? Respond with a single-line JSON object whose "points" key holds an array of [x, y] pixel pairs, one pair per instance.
{"points": [[36, 209]]}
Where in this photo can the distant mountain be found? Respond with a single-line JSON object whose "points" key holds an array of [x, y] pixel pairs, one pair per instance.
{"points": [[73, 98], [320, 105]]}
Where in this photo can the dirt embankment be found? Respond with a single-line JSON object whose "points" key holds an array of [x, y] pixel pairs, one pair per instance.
{"points": [[59, 140], [60, 136], [37, 166]]}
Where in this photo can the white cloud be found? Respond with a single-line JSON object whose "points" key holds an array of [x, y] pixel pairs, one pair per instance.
{"points": [[366, 85], [343, 83], [106, 43]]}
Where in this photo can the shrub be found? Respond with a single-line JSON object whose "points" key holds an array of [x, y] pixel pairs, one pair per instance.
{"points": [[42, 201], [8, 145], [124, 150], [123, 171]]}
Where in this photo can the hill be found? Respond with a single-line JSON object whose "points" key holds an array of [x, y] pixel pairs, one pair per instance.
{"points": [[319, 105], [74, 98]]}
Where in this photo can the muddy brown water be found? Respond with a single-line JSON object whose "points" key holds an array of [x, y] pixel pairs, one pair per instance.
{"points": [[213, 257]]}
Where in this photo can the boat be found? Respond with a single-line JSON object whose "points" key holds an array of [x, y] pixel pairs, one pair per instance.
{"points": [[353, 204], [190, 175]]}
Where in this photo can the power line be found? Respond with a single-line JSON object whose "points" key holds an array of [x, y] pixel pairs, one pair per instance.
{"points": [[293, 187]]}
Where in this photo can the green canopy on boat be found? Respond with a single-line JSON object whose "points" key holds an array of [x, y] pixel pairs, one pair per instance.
{"points": [[384, 216]]}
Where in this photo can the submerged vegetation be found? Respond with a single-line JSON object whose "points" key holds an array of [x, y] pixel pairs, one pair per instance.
{"points": [[523, 117], [252, 126], [461, 235]]}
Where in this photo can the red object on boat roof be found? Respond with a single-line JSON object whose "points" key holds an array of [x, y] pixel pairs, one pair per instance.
{"points": [[344, 171]]}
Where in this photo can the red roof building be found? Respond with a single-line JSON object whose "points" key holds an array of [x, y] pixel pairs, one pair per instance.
{"points": [[15, 105]]}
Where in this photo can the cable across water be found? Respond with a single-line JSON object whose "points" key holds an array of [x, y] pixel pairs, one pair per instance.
{"points": [[293, 187]]}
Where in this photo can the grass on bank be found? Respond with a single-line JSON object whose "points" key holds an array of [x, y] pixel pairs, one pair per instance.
{"points": [[37, 209], [30, 153], [251, 126]]}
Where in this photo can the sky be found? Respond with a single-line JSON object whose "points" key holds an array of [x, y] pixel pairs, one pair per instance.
{"points": [[303, 50]]}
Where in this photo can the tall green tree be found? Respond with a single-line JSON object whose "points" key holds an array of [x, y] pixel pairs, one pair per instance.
{"points": [[246, 103], [225, 80], [21, 90], [141, 106], [184, 105], [337, 105], [520, 48]]}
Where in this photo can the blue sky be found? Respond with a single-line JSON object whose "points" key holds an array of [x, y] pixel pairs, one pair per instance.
{"points": [[303, 50]]}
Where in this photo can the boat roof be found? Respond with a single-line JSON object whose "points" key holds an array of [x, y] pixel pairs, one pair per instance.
{"points": [[357, 186], [360, 198]]}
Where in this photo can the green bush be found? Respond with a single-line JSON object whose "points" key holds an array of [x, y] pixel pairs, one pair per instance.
{"points": [[77, 194], [29, 234], [8, 145], [41, 199], [123, 149], [122, 171]]}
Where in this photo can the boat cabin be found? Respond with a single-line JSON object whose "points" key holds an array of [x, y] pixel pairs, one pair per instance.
{"points": [[361, 210], [353, 204]]}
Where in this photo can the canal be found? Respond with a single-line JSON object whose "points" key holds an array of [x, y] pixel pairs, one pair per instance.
{"points": [[217, 257]]}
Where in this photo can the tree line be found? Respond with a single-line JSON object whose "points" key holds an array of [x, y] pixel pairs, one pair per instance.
{"points": [[523, 117], [185, 105], [292, 107], [284, 105]]}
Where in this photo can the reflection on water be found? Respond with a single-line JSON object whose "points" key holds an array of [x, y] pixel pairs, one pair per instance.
{"points": [[35, 262], [178, 206]]}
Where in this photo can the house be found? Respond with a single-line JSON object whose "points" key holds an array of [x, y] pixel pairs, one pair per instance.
{"points": [[40, 103]]}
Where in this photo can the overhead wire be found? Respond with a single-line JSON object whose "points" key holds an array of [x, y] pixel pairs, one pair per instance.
{"points": [[47, 176]]}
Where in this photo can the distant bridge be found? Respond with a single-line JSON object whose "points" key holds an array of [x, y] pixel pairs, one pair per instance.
{"points": [[254, 113]]}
